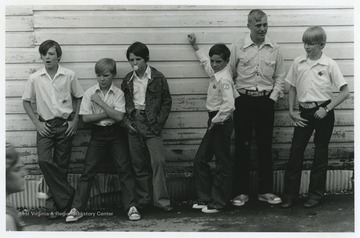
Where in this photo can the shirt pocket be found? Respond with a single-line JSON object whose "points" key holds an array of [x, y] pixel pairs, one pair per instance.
{"points": [[268, 68], [245, 65]]}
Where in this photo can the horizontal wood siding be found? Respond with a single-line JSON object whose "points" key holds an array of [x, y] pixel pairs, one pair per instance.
{"points": [[88, 33]]}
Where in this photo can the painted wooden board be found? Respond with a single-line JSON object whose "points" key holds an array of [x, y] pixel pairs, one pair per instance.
{"points": [[16, 23], [169, 69], [214, 18], [156, 36], [82, 53]]}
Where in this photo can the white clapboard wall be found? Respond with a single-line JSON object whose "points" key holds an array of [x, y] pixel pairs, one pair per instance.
{"points": [[88, 33]]}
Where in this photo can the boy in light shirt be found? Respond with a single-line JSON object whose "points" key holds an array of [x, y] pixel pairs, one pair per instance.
{"points": [[214, 191], [54, 88], [311, 77], [103, 106]]}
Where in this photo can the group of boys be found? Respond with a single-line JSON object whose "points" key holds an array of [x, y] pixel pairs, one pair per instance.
{"points": [[245, 82]]}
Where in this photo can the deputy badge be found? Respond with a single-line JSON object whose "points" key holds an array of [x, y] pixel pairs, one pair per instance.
{"points": [[226, 86]]}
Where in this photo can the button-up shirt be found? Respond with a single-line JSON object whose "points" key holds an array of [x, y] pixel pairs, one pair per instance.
{"points": [[140, 86], [220, 95], [258, 68], [114, 98], [53, 96], [313, 80]]}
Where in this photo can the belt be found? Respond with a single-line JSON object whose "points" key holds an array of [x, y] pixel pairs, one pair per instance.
{"points": [[310, 105], [112, 127], [55, 122], [253, 93]]}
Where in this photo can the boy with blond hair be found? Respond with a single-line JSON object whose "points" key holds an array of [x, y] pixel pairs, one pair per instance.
{"points": [[311, 78], [103, 106]]}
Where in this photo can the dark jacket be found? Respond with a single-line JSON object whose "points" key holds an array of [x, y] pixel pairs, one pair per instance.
{"points": [[157, 100]]}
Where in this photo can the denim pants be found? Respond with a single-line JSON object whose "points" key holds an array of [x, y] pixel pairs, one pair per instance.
{"points": [[148, 162], [214, 189], [253, 113], [107, 143], [54, 159], [323, 130]]}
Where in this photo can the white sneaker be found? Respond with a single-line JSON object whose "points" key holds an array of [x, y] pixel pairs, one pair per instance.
{"points": [[74, 215], [209, 210], [269, 198], [240, 200], [133, 214], [199, 205]]}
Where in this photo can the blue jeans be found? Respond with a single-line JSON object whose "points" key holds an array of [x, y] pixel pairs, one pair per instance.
{"points": [[54, 159], [214, 189], [106, 143], [148, 162], [323, 130]]}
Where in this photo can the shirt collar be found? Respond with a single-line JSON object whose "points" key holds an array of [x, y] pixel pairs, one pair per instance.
{"points": [[323, 59], [60, 70], [249, 42], [111, 89], [146, 74], [218, 75]]}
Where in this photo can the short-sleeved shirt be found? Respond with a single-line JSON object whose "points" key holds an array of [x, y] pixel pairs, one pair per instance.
{"points": [[140, 86], [220, 94], [313, 81], [53, 96], [113, 98], [258, 68]]}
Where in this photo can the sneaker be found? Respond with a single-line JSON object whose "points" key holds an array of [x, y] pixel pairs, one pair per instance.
{"points": [[209, 209], [133, 214], [199, 205], [269, 198], [74, 215], [240, 200]]}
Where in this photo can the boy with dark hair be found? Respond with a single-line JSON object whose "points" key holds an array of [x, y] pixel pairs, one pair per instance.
{"points": [[103, 105], [311, 77], [148, 104], [214, 191], [54, 89]]}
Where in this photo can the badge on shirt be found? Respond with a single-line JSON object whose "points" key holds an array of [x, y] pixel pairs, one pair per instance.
{"points": [[320, 73], [214, 86], [226, 86]]}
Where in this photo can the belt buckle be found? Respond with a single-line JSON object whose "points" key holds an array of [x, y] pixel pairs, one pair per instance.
{"points": [[252, 93]]}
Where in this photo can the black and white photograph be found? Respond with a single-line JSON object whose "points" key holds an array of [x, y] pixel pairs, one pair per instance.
{"points": [[184, 118]]}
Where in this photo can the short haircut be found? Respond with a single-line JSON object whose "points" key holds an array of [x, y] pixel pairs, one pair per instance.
{"points": [[314, 35], [138, 49], [256, 15], [220, 49], [46, 45], [104, 65], [12, 157]]}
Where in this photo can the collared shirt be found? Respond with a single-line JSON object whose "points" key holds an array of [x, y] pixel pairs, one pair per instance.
{"points": [[113, 98], [53, 96], [313, 82], [258, 68], [140, 86], [220, 95]]}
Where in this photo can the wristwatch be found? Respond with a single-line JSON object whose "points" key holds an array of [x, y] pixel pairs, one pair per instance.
{"points": [[326, 109]]}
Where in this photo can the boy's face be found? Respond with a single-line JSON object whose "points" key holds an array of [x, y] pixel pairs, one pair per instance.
{"points": [[105, 79], [217, 63], [137, 63], [258, 29], [313, 50], [50, 59], [15, 178]]}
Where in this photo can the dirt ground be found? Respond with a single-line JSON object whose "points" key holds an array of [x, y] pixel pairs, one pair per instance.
{"points": [[334, 214]]}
